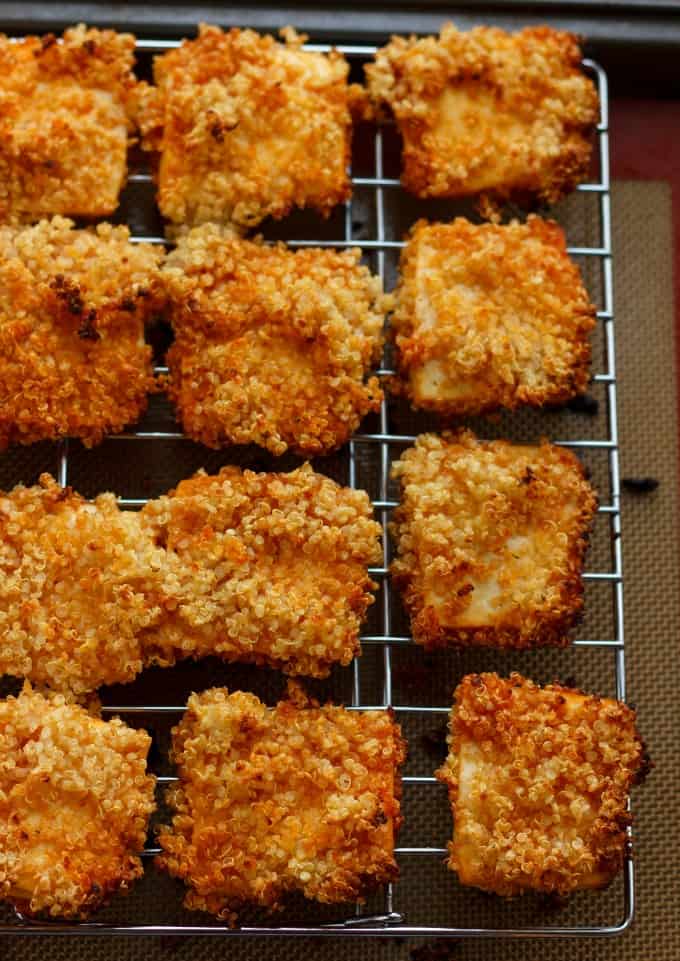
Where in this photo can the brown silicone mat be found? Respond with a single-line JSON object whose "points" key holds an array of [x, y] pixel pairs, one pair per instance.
{"points": [[648, 426]]}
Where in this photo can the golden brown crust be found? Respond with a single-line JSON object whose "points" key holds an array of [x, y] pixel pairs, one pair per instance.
{"points": [[248, 127], [488, 111], [79, 585], [538, 780], [490, 316], [298, 797], [65, 115], [272, 346], [75, 801], [490, 541], [73, 361], [267, 568]]}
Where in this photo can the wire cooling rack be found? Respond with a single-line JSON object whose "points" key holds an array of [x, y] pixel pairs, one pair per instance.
{"points": [[427, 900]]}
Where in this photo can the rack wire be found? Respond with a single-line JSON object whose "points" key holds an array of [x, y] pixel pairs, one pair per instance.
{"points": [[386, 637]]}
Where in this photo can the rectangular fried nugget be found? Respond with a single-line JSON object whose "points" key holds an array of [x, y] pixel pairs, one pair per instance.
{"points": [[272, 346], [265, 568], [538, 780], [248, 127], [490, 316], [485, 111], [75, 801], [491, 538], [65, 114], [269, 801], [73, 303], [80, 583]]}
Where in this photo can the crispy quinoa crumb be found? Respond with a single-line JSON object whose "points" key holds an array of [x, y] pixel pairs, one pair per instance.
{"points": [[267, 568], [485, 111], [272, 346], [269, 801], [75, 801], [538, 780], [65, 116], [491, 538], [248, 127], [490, 316], [73, 303]]}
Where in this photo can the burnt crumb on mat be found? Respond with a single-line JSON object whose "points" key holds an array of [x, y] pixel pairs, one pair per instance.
{"points": [[584, 404], [433, 742], [439, 950], [640, 485]]}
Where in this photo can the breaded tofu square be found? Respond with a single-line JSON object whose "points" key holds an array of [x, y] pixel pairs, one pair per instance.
{"points": [[270, 801], [65, 114], [490, 539], [272, 346], [75, 801], [538, 779], [263, 568], [485, 111], [490, 316], [73, 361], [248, 128], [80, 584]]}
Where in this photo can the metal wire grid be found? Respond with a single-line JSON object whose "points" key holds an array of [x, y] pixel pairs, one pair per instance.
{"points": [[391, 922]]}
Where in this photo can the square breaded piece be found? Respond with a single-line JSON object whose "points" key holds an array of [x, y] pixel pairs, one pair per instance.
{"points": [[538, 780], [80, 583], [65, 116], [507, 115], [248, 128], [73, 362], [272, 346], [490, 316], [264, 568], [75, 801], [490, 541], [270, 801]]}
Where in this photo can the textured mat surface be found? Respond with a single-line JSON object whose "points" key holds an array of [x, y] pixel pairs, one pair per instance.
{"points": [[648, 426]]}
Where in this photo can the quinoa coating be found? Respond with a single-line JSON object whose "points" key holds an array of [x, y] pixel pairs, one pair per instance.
{"points": [[79, 585], [298, 797], [264, 568], [490, 316], [75, 801], [65, 115], [248, 127], [508, 115], [73, 361], [267, 568], [538, 779], [272, 346], [491, 538]]}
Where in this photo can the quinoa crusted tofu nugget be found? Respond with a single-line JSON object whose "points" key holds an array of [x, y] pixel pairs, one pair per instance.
{"points": [[73, 303], [272, 346], [490, 316], [485, 111], [247, 127], [75, 801], [80, 583], [65, 115], [538, 779], [270, 801], [491, 538], [265, 568]]}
